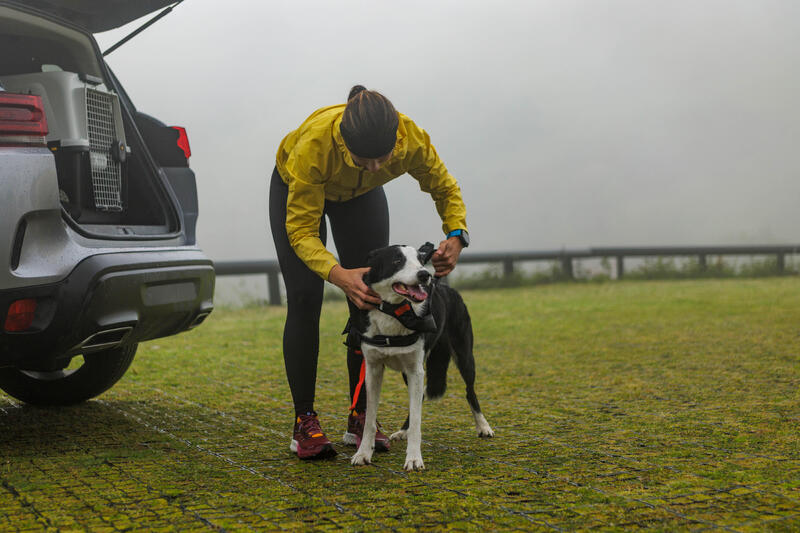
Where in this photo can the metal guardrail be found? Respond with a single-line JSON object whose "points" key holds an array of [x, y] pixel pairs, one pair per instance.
{"points": [[565, 256]]}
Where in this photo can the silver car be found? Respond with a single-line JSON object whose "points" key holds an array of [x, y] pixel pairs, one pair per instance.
{"points": [[98, 208]]}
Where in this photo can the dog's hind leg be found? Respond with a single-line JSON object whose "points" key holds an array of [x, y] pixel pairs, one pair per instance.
{"points": [[374, 380], [436, 379], [402, 433], [465, 361]]}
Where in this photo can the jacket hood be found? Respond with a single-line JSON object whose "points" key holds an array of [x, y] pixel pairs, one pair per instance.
{"points": [[98, 15]]}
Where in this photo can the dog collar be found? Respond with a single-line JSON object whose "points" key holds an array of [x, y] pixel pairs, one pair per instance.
{"points": [[406, 315]]}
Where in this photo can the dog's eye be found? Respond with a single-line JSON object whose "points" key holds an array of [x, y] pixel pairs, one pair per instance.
{"points": [[398, 261]]}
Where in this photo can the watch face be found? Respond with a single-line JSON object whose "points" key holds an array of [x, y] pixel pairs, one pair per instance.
{"points": [[462, 235]]}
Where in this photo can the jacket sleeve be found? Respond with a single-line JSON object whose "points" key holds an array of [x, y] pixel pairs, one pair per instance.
{"points": [[304, 207], [433, 177]]}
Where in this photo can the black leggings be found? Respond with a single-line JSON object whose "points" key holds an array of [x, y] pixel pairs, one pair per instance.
{"points": [[358, 226]]}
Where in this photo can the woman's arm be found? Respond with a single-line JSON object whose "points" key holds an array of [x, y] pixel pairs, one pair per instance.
{"points": [[429, 170], [304, 207]]}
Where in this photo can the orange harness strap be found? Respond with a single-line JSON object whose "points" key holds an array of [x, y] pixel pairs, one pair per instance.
{"points": [[360, 381]]}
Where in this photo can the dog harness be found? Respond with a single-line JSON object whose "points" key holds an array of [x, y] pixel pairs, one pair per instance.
{"points": [[402, 312]]}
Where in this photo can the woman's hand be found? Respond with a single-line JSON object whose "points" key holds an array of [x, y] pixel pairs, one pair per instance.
{"points": [[445, 258], [351, 281]]}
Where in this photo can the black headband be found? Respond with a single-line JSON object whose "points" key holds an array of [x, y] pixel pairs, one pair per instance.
{"points": [[372, 144]]}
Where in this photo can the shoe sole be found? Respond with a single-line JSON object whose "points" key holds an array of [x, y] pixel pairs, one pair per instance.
{"points": [[323, 452], [353, 440]]}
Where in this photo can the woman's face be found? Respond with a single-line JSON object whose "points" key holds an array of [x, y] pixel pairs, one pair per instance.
{"points": [[373, 165]]}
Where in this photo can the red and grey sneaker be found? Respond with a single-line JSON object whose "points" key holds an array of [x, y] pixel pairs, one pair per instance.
{"points": [[309, 442], [355, 429]]}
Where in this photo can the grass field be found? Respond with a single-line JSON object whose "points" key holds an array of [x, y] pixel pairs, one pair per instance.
{"points": [[662, 405]]}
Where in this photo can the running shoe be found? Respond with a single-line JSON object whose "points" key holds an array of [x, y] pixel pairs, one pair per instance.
{"points": [[355, 429], [309, 442]]}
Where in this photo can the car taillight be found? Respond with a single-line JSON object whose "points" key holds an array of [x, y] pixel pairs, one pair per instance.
{"points": [[183, 141], [22, 120], [20, 315]]}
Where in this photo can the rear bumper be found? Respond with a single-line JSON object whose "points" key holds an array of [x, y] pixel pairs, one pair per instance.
{"points": [[111, 299]]}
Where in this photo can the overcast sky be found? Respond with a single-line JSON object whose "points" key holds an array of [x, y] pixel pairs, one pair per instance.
{"points": [[566, 123]]}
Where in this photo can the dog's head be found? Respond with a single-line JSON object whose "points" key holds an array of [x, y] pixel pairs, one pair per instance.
{"points": [[396, 274]]}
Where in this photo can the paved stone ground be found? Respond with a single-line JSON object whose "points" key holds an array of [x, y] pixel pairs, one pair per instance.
{"points": [[635, 419]]}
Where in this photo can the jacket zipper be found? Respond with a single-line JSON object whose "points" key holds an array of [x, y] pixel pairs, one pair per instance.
{"points": [[360, 179]]}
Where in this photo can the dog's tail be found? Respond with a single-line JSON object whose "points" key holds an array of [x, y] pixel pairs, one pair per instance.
{"points": [[436, 371]]}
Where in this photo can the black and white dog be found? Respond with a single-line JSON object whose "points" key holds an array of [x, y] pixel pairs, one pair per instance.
{"points": [[420, 324]]}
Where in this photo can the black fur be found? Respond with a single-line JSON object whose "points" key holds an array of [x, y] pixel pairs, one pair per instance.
{"points": [[453, 337], [383, 262]]}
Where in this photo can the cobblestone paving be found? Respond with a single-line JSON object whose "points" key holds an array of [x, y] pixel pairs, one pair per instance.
{"points": [[611, 413]]}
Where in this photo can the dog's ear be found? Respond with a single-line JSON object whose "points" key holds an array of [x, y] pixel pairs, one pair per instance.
{"points": [[371, 255], [374, 271], [425, 252]]}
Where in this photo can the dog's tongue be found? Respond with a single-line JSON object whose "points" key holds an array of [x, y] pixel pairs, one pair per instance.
{"points": [[415, 292]]}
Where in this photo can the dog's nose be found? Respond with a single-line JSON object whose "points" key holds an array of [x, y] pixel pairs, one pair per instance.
{"points": [[424, 276]]}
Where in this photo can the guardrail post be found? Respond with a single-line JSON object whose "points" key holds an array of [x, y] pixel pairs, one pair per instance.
{"points": [[273, 287], [781, 263], [566, 266], [508, 268], [620, 266], [701, 259]]}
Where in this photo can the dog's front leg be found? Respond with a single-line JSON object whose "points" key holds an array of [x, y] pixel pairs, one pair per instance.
{"points": [[416, 382], [374, 380]]}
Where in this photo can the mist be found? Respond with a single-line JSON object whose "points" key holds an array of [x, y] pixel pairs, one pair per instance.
{"points": [[566, 123]]}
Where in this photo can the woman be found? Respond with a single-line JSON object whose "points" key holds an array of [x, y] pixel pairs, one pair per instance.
{"points": [[335, 164]]}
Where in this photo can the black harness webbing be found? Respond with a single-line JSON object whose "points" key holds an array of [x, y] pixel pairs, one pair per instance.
{"points": [[391, 340]]}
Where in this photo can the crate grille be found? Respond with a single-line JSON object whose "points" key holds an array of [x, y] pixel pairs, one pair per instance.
{"points": [[106, 171]]}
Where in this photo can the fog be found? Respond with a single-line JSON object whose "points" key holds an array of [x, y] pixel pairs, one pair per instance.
{"points": [[566, 123]]}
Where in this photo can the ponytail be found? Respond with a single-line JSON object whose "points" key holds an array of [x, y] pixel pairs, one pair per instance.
{"points": [[355, 90]]}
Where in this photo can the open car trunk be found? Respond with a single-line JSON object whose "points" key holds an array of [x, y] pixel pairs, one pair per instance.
{"points": [[98, 15], [108, 183]]}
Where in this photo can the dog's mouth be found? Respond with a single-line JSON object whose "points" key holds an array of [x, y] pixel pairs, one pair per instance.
{"points": [[416, 293]]}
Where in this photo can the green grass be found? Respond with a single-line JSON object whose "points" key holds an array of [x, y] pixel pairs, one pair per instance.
{"points": [[660, 405]]}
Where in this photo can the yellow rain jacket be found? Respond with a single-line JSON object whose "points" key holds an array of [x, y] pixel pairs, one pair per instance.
{"points": [[315, 164]]}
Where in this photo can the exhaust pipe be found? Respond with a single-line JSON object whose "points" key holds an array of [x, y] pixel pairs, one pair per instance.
{"points": [[198, 320], [107, 338]]}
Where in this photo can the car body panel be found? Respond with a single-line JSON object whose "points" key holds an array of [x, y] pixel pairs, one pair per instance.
{"points": [[153, 293]]}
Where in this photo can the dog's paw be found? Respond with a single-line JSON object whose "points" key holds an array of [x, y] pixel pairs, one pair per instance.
{"points": [[398, 435], [414, 463], [486, 432], [361, 459], [483, 427]]}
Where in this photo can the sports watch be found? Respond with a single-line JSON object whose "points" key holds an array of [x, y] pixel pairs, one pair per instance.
{"points": [[462, 235]]}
